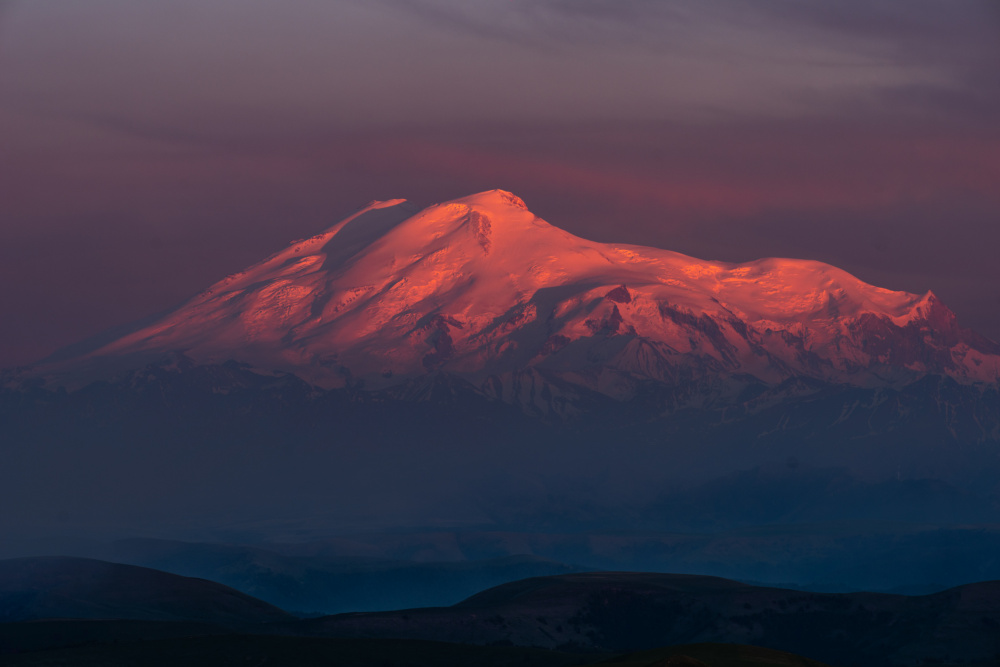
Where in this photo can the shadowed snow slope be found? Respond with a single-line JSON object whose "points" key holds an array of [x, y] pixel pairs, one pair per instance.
{"points": [[481, 288]]}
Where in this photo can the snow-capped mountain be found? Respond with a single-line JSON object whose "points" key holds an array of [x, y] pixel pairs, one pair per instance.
{"points": [[482, 289], [360, 370]]}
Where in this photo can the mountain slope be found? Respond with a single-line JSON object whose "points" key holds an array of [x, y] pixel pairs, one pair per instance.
{"points": [[482, 289]]}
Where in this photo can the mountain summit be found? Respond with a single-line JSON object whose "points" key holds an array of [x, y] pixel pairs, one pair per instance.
{"points": [[482, 289]]}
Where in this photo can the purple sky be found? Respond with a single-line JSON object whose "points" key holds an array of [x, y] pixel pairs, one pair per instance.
{"points": [[147, 149]]}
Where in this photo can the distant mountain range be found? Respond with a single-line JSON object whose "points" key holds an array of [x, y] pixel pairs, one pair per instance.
{"points": [[333, 583]]}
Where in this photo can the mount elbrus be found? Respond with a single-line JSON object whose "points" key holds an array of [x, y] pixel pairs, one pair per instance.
{"points": [[481, 289], [471, 355]]}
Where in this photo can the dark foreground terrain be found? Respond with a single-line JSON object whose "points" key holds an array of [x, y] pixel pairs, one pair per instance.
{"points": [[310, 652], [82, 612]]}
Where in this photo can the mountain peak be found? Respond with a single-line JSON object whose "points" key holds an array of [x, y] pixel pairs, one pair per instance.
{"points": [[493, 198]]}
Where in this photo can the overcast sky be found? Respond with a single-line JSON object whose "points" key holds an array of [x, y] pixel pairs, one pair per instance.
{"points": [[147, 149]]}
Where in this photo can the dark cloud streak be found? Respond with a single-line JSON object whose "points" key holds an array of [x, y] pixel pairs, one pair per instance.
{"points": [[958, 39]]}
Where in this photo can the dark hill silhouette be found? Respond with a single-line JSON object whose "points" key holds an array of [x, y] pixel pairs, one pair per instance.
{"points": [[634, 611], [80, 588]]}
